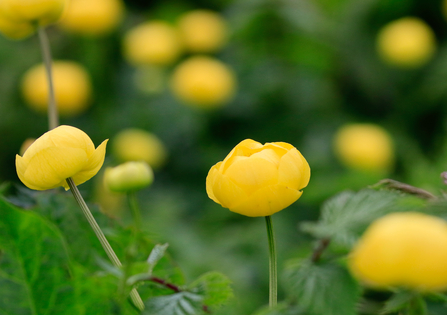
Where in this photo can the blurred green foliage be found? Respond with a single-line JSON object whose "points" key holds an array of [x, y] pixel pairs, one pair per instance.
{"points": [[304, 69]]}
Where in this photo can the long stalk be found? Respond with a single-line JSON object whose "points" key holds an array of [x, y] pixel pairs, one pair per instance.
{"points": [[53, 117], [273, 274], [135, 297]]}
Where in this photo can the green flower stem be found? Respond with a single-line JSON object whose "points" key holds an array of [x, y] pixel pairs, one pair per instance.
{"points": [[273, 278], [133, 205], [136, 299], [53, 117]]}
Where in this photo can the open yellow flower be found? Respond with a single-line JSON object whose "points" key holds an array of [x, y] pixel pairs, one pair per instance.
{"points": [[57, 155], [258, 180]]}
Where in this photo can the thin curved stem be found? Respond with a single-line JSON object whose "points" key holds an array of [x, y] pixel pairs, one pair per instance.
{"points": [[273, 274], [135, 297], [53, 117]]}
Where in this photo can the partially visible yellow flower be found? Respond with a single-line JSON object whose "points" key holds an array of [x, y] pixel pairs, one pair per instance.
{"points": [[129, 176], [87, 17], [203, 31], [403, 250], [152, 43], [58, 154], [203, 82], [41, 12], [407, 42], [72, 88], [258, 180], [365, 147], [15, 30], [139, 145]]}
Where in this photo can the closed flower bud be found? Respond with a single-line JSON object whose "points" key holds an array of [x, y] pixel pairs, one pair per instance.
{"points": [[92, 18], [203, 82], [139, 145], [129, 176], [365, 147], [72, 88], [41, 12], [258, 180], [152, 43], [203, 31], [403, 250], [58, 154]]}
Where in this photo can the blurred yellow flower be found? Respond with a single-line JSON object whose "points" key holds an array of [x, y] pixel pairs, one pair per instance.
{"points": [[365, 147], [95, 18], [58, 154], [72, 88], [203, 82], [407, 42], [139, 145], [129, 176], [152, 43], [203, 31], [40, 12], [403, 249], [258, 180], [15, 30]]}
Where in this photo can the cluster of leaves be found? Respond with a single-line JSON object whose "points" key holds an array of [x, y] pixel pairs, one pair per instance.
{"points": [[52, 263]]}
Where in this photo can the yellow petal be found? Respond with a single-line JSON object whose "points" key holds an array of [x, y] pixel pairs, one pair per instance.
{"points": [[268, 155], [245, 148], [293, 171], [226, 192], [49, 167], [267, 201], [210, 179], [71, 137], [252, 173], [92, 166]]}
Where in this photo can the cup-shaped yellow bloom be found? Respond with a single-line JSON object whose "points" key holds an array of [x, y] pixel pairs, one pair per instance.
{"points": [[203, 82], [92, 18], [72, 88], [258, 180], [139, 145], [41, 12], [403, 250], [203, 31], [152, 43], [58, 154], [129, 176]]}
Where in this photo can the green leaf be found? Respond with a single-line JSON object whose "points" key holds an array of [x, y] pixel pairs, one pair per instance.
{"points": [[156, 254], [345, 216], [324, 288], [34, 266], [181, 303], [216, 288], [281, 309], [397, 302]]}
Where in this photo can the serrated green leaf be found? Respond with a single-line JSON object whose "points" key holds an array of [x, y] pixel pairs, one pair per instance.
{"points": [[34, 266], [324, 288], [345, 216], [216, 288], [156, 254], [181, 303]]}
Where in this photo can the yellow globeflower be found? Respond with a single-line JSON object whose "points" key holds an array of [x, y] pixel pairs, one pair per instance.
{"points": [[258, 180], [152, 43], [203, 31], [72, 87], [42, 12], [203, 82], [129, 176], [13, 29], [94, 18], [366, 147], [58, 154], [403, 249], [408, 42], [139, 145]]}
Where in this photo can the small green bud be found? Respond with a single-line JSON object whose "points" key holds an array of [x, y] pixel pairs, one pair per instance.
{"points": [[129, 176]]}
